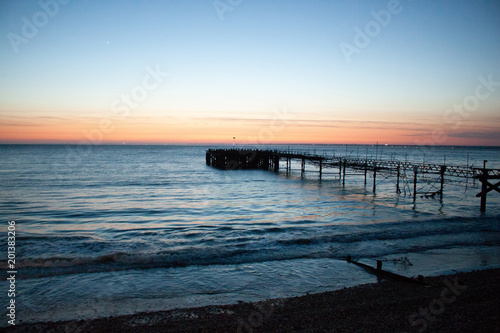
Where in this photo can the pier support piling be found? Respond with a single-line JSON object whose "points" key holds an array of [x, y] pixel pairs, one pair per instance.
{"points": [[484, 188], [366, 170], [415, 171], [443, 169], [397, 181], [343, 173]]}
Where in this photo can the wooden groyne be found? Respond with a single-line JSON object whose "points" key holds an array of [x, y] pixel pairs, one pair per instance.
{"points": [[379, 272], [234, 159]]}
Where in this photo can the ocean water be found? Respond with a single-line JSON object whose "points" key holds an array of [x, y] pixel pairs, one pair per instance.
{"points": [[110, 230]]}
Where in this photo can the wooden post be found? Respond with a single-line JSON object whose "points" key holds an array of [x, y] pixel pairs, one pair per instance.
{"points": [[340, 169], [484, 189], [343, 173], [397, 182], [415, 171], [374, 175], [443, 169], [366, 170], [320, 168], [303, 167], [276, 163]]}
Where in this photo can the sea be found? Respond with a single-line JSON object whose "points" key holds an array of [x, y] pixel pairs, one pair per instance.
{"points": [[108, 230]]}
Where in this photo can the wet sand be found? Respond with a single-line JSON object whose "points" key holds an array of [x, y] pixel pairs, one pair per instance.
{"points": [[465, 302]]}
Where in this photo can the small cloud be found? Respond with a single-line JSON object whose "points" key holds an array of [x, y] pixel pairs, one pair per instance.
{"points": [[483, 135], [17, 124]]}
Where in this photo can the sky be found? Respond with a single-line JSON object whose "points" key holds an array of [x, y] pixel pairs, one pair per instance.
{"points": [[263, 71]]}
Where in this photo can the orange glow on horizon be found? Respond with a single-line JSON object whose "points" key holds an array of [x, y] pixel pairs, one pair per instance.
{"points": [[216, 131]]}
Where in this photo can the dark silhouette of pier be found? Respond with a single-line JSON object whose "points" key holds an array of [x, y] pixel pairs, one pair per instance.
{"points": [[234, 159]]}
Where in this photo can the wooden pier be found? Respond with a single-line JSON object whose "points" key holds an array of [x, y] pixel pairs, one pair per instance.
{"points": [[234, 159]]}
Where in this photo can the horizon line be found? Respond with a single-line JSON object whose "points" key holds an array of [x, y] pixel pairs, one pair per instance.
{"points": [[231, 144]]}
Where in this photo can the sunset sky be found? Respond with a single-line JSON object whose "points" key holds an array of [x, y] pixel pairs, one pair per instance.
{"points": [[263, 71]]}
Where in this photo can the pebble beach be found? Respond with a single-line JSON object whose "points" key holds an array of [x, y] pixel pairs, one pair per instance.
{"points": [[463, 302]]}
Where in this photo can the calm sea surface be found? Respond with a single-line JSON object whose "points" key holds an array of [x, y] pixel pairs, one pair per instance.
{"points": [[109, 230]]}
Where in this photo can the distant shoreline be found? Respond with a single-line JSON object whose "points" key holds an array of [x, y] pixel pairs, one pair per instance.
{"points": [[463, 302]]}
